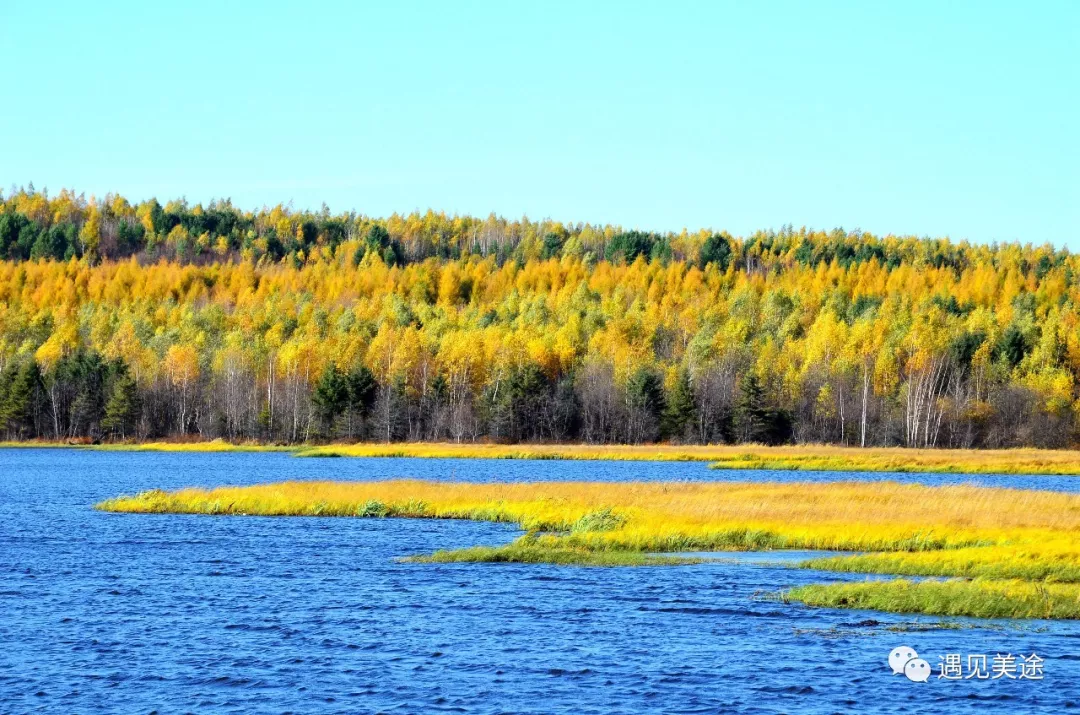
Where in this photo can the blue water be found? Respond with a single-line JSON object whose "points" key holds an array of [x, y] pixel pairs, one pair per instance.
{"points": [[137, 613]]}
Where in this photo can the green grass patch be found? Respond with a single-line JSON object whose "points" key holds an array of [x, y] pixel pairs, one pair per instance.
{"points": [[600, 520], [979, 598], [976, 562], [532, 553], [373, 508]]}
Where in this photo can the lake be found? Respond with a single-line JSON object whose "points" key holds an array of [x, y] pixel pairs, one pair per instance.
{"points": [[135, 613]]}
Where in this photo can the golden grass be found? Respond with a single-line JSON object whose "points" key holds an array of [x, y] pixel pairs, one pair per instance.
{"points": [[529, 550], [979, 598], [964, 531], [217, 445], [1055, 558], [807, 457], [444, 450], [901, 459], [654, 516]]}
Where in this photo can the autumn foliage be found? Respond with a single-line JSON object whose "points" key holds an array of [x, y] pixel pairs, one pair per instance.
{"points": [[121, 321]]}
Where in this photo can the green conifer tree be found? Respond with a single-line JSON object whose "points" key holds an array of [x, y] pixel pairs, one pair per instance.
{"points": [[681, 409], [122, 408]]}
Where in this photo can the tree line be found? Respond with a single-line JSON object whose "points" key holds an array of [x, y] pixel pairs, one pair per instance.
{"points": [[86, 396], [35, 226], [427, 327]]}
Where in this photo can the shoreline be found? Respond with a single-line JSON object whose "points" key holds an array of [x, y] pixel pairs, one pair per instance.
{"points": [[810, 457], [1002, 553]]}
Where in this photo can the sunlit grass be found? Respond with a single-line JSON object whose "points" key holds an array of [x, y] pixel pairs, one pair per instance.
{"points": [[955, 597], [861, 516], [1050, 559], [791, 457], [899, 459], [625, 452], [549, 551], [217, 445], [807, 457], [997, 536]]}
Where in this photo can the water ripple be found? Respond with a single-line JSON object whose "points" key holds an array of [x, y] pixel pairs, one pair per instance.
{"points": [[172, 613]]}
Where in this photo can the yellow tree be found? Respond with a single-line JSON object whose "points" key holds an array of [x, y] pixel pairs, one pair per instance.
{"points": [[181, 367]]}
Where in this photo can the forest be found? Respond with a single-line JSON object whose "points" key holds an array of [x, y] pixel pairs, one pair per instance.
{"points": [[123, 322]]}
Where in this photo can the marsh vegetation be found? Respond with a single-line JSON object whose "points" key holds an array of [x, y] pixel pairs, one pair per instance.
{"points": [[804, 457], [1013, 549]]}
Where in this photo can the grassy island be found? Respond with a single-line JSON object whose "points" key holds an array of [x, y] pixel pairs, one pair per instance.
{"points": [[1009, 553]]}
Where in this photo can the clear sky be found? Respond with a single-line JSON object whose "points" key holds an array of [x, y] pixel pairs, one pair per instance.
{"points": [[935, 118]]}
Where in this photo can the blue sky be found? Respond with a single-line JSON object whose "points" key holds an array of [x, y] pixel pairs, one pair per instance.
{"points": [[956, 119]]}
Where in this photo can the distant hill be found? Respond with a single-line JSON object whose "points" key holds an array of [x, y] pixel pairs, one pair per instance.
{"points": [[146, 321]]}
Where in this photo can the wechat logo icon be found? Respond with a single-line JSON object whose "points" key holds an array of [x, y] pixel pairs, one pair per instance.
{"points": [[905, 661]]}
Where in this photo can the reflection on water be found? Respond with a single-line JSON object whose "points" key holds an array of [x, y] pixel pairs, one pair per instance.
{"points": [[107, 612]]}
